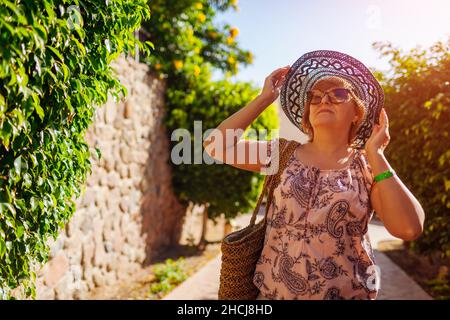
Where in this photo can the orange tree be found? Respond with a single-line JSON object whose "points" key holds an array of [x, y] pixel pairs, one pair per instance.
{"points": [[190, 46], [54, 71], [418, 102]]}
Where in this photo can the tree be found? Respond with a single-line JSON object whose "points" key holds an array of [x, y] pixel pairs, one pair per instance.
{"points": [[417, 92], [190, 46], [222, 188]]}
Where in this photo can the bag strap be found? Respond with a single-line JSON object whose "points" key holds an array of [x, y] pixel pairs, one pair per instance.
{"points": [[276, 180], [261, 196], [272, 181]]}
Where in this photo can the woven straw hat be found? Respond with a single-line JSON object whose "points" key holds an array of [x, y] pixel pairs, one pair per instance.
{"points": [[315, 65]]}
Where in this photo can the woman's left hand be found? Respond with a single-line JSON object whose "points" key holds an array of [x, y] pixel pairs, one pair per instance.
{"points": [[379, 139]]}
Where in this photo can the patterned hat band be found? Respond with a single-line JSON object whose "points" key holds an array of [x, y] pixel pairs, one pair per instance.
{"points": [[317, 65]]}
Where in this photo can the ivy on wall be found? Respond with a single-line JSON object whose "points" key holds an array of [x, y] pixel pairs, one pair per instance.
{"points": [[54, 72]]}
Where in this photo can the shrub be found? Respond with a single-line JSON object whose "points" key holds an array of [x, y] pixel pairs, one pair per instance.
{"points": [[418, 104], [190, 47]]}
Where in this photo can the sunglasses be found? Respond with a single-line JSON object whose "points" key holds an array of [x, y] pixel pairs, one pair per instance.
{"points": [[337, 95]]}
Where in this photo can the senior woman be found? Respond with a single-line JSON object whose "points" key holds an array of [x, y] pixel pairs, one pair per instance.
{"points": [[316, 244]]}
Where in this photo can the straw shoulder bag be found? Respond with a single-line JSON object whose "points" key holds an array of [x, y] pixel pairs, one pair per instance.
{"points": [[241, 249]]}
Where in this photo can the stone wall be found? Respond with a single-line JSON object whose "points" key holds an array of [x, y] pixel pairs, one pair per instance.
{"points": [[128, 210]]}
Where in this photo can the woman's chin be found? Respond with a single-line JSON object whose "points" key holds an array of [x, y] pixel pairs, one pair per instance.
{"points": [[324, 121]]}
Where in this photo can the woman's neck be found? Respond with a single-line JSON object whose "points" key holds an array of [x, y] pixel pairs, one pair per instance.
{"points": [[329, 148]]}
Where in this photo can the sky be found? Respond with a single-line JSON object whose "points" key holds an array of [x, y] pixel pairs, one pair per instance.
{"points": [[278, 32]]}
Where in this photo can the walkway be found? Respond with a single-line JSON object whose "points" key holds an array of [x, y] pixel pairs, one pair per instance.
{"points": [[395, 283]]}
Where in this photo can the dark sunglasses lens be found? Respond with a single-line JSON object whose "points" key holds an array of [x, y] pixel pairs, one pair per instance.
{"points": [[340, 94]]}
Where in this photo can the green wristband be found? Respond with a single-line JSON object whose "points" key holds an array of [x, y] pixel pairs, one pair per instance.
{"points": [[384, 175]]}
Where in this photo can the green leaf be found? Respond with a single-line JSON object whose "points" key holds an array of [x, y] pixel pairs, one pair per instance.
{"points": [[17, 12], [2, 105], [2, 247], [99, 153], [40, 35], [56, 52], [49, 9], [79, 45], [5, 133], [18, 164], [13, 79], [150, 44], [39, 111], [66, 72], [19, 231], [4, 208]]}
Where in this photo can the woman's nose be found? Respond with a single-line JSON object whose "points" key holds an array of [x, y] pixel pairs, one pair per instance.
{"points": [[326, 97]]}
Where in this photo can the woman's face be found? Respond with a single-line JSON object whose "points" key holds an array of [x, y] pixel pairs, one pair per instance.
{"points": [[338, 116]]}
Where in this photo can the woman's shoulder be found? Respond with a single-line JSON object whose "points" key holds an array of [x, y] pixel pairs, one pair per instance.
{"points": [[280, 147], [280, 143]]}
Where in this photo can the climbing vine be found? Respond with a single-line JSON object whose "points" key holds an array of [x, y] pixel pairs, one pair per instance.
{"points": [[54, 72]]}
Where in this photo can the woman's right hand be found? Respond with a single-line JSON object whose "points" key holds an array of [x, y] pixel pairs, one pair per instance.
{"points": [[273, 84]]}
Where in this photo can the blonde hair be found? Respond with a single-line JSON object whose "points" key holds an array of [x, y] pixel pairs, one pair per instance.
{"points": [[358, 104]]}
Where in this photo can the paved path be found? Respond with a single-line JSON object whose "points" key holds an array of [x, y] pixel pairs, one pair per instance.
{"points": [[395, 283]]}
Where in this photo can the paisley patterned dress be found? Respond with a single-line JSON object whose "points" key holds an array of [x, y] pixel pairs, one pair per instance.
{"points": [[316, 244]]}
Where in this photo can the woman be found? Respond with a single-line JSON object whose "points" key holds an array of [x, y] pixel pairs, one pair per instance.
{"points": [[316, 244]]}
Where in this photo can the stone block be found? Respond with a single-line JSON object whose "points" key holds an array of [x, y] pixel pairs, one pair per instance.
{"points": [[56, 269]]}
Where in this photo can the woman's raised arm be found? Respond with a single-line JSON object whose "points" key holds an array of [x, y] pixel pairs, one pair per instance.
{"points": [[225, 144]]}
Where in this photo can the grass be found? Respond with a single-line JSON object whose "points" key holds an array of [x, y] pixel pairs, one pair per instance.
{"points": [[167, 276]]}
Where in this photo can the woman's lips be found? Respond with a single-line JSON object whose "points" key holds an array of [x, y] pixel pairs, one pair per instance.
{"points": [[325, 111]]}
